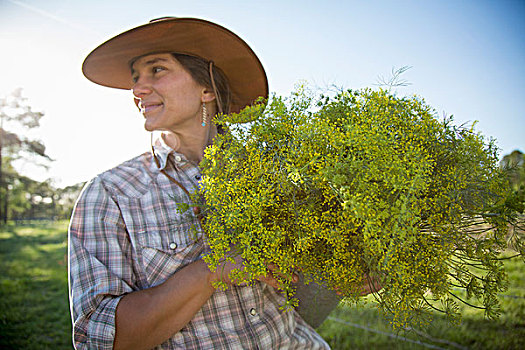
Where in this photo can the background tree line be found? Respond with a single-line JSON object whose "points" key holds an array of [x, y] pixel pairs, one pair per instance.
{"points": [[514, 163], [22, 198]]}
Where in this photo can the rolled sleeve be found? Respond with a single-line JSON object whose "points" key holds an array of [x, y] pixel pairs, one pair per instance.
{"points": [[100, 267]]}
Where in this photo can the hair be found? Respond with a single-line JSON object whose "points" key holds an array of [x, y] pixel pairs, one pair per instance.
{"points": [[199, 70]]}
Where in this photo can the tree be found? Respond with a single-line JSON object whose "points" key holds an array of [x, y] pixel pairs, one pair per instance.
{"points": [[17, 118], [514, 164], [67, 197]]}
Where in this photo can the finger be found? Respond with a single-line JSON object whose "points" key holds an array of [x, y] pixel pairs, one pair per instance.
{"points": [[270, 280]]}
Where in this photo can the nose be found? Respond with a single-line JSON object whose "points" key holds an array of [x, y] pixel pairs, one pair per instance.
{"points": [[141, 88]]}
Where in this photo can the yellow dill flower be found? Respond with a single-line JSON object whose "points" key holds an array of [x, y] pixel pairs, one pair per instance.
{"points": [[360, 183]]}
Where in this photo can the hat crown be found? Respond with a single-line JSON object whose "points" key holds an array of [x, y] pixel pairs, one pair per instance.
{"points": [[165, 18]]}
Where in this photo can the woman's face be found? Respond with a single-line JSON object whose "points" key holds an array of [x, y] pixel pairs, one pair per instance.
{"points": [[167, 95]]}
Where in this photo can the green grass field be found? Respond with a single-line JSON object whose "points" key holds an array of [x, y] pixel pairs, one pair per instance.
{"points": [[34, 311]]}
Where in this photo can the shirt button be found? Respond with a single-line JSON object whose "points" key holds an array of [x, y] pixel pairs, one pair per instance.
{"points": [[173, 245], [178, 159], [253, 312]]}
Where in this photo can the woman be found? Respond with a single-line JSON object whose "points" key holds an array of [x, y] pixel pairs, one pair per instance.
{"points": [[137, 279]]}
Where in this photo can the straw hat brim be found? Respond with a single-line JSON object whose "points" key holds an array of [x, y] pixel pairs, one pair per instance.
{"points": [[109, 64]]}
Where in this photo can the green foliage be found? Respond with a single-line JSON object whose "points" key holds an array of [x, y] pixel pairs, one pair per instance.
{"points": [[362, 183]]}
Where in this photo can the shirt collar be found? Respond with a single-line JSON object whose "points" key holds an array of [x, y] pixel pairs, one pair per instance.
{"points": [[161, 149]]}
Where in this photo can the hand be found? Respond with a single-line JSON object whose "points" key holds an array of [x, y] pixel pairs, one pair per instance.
{"points": [[223, 271], [369, 285], [270, 279]]}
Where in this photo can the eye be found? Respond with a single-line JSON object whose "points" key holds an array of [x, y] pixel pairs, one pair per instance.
{"points": [[134, 79], [157, 69]]}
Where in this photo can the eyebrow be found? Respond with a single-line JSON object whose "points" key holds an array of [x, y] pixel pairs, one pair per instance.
{"points": [[155, 60]]}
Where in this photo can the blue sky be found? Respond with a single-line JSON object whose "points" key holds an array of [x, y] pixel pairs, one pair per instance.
{"points": [[467, 59]]}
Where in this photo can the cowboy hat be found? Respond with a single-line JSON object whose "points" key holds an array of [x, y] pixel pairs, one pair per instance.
{"points": [[109, 64]]}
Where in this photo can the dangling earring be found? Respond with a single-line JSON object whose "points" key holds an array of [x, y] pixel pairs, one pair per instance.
{"points": [[204, 114]]}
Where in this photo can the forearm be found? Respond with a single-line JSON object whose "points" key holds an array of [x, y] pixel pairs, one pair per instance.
{"points": [[148, 317]]}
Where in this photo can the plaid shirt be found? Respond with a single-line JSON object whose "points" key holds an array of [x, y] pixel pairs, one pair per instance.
{"points": [[126, 234]]}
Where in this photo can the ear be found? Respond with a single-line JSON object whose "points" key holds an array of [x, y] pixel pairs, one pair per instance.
{"points": [[207, 95]]}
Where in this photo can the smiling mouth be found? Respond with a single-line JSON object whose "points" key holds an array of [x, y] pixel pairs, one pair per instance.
{"points": [[150, 107]]}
